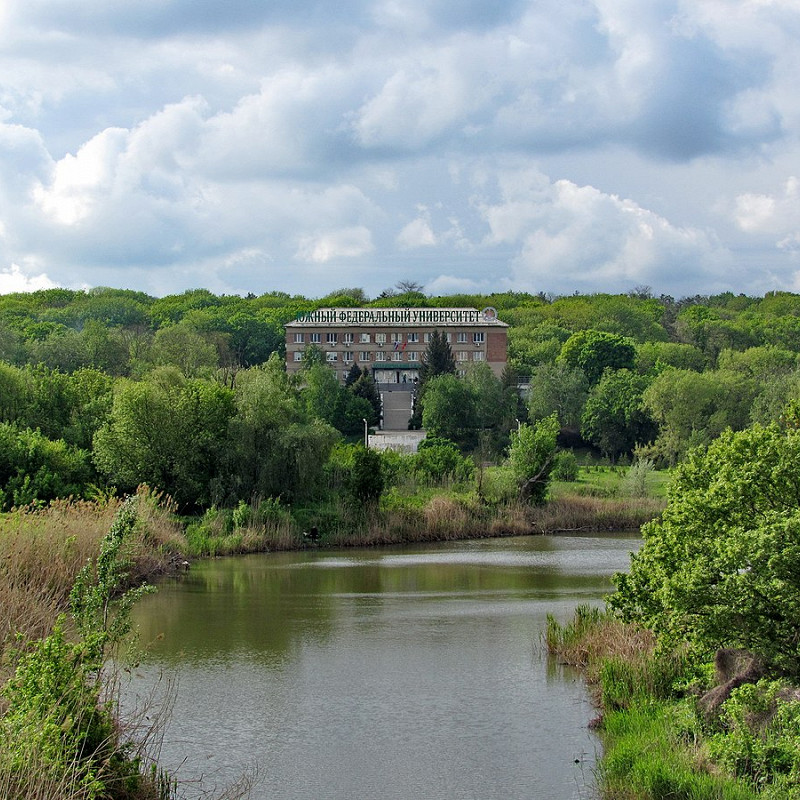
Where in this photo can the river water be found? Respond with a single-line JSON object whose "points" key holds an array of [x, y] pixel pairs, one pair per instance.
{"points": [[386, 674]]}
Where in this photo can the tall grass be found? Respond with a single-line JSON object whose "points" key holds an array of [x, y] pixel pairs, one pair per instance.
{"points": [[653, 738], [42, 551]]}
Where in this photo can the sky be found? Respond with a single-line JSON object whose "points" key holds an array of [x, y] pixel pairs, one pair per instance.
{"points": [[554, 146]]}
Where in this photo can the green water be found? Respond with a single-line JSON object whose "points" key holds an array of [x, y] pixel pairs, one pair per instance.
{"points": [[404, 672]]}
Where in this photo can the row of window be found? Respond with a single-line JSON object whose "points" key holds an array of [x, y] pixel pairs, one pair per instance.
{"points": [[478, 337], [412, 355]]}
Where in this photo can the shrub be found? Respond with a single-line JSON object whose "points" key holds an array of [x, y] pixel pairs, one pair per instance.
{"points": [[565, 466]]}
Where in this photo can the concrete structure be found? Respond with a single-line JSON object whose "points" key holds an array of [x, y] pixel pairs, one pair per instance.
{"points": [[390, 342]]}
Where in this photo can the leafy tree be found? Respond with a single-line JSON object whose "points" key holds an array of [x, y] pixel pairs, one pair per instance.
{"points": [[366, 478], [593, 352], [182, 346], [171, 437], [720, 568], [693, 408], [437, 459], [450, 410], [35, 469], [365, 388], [558, 389], [614, 417], [438, 359], [532, 458], [275, 449]]}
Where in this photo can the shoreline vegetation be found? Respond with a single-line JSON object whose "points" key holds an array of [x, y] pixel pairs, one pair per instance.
{"points": [[44, 550]]}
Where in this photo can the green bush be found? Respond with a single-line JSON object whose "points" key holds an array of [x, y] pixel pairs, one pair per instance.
{"points": [[565, 466], [761, 740]]}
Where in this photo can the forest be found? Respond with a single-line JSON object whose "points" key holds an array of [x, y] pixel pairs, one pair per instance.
{"points": [[105, 389]]}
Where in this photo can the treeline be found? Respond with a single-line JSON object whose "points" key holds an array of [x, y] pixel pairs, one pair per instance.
{"points": [[109, 388]]}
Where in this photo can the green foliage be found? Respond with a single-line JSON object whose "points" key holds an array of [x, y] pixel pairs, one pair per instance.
{"points": [[56, 730], [720, 569], [761, 737], [438, 459], [449, 410], [558, 389], [694, 408], [614, 418], [34, 469], [565, 466], [593, 352], [366, 479], [532, 456]]}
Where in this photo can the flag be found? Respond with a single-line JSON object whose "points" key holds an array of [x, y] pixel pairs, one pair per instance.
{"points": [[396, 345], [404, 346]]}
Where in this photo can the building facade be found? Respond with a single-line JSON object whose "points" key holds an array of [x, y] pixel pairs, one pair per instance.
{"points": [[391, 342]]}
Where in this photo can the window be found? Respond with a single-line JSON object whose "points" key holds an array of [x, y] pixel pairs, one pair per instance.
{"points": [[348, 356], [364, 355], [462, 355], [364, 338], [347, 338], [462, 337], [298, 338], [315, 338], [449, 337], [330, 357], [478, 355], [298, 355], [413, 337], [413, 355], [380, 356], [331, 338], [397, 337], [426, 337], [479, 337], [380, 338], [397, 356]]}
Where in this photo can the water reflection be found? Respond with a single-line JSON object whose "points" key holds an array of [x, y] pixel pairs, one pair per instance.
{"points": [[392, 673]]}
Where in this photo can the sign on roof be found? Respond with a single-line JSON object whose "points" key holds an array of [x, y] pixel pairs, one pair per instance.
{"points": [[400, 316]]}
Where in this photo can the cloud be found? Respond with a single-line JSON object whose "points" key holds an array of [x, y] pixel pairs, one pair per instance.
{"points": [[416, 233], [335, 245], [570, 237], [13, 279], [177, 141], [777, 213]]}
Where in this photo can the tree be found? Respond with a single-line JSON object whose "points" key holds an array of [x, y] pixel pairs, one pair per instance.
{"points": [[171, 437], [593, 352], [438, 359], [532, 457], [450, 410], [558, 389], [366, 477], [35, 469], [721, 566], [614, 417], [692, 408]]}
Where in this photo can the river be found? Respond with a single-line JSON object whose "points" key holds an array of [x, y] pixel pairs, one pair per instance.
{"points": [[386, 674]]}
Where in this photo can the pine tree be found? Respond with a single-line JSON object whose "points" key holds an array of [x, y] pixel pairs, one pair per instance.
{"points": [[437, 360]]}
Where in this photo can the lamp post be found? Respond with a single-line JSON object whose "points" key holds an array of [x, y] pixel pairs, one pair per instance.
{"points": [[366, 433]]}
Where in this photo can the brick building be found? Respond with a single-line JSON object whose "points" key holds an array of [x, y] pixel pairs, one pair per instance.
{"points": [[391, 342]]}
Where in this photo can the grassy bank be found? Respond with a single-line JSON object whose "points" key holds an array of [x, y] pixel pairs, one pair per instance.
{"points": [[660, 742], [601, 499]]}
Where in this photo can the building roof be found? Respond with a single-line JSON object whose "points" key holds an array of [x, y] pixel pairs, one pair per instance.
{"points": [[393, 317]]}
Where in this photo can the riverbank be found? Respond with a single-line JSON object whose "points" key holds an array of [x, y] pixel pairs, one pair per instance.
{"points": [[662, 738], [434, 515], [43, 551]]}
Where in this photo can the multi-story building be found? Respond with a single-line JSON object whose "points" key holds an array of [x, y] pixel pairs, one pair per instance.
{"points": [[390, 342]]}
